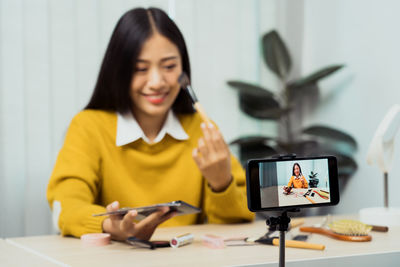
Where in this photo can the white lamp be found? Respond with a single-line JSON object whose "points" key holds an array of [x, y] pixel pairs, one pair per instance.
{"points": [[381, 151]]}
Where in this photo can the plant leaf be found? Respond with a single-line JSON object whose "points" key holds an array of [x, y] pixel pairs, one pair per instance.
{"points": [[253, 147], [300, 148], [314, 77], [256, 101], [251, 140], [276, 55], [332, 134], [261, 106], [346, 165], [250, 89], [267, 112]]}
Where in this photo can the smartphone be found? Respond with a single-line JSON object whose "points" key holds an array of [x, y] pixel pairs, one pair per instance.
{"points": [[179, 206], [287, 183]]}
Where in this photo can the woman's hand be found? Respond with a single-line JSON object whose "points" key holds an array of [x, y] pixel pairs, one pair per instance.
{"points": [[121, 228], [212, 156]]}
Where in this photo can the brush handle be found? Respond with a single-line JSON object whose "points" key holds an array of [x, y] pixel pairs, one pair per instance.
{"points": [[201, 112], [323, 231], [299, 244], [378, 228], [296, 222], [309, 199]]}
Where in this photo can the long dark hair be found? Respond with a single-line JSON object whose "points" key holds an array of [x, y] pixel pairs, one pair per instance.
{"points": [[117, 69], [299, 169]]}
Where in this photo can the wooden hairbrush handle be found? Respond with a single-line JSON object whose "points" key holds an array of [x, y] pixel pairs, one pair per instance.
{"points": [[378, 228], [323, 231]]}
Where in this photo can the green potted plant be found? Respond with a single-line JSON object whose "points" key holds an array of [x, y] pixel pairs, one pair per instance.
{"points": [[284, 107], [313, 180]]}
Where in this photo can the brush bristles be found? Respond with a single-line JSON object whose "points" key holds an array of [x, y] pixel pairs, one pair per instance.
{"points": [[184, 80], [350, 227], [185, 83]]}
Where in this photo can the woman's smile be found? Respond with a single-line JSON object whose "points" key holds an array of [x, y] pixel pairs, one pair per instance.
{"points": [[156, 98]]}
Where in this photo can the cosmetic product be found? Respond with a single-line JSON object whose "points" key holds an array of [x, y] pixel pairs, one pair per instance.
{"points": [[185, 83], [181, 240], [95, 239], [290, 243]]}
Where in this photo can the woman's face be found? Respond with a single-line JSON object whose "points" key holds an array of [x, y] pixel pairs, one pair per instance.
{"points": [[155, 86], [296, 170]]}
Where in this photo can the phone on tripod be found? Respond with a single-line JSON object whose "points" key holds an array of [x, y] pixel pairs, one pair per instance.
{"points": [[288, 183]]}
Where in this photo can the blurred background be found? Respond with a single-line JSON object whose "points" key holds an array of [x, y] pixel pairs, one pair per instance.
{"points": [[50, 54]]}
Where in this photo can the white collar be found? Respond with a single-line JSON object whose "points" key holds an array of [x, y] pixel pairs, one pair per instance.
{"points": [[128, 130]]}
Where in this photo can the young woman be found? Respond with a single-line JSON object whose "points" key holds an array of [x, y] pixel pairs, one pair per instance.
{"points": [[140, 142], [297, 180]]}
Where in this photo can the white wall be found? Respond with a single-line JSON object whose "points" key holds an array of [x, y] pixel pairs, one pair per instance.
{"points": [[50, 53], [363, 34]]}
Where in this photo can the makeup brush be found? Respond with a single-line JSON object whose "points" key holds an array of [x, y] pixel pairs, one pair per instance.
{"points": [[290, 243], [185, 83], [346, 230]]}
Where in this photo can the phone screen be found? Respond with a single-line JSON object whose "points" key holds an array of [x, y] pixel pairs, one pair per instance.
{"points": [[298, 182]]}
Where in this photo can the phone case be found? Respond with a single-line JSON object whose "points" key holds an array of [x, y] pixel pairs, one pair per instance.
{"points": [[179, 206]]}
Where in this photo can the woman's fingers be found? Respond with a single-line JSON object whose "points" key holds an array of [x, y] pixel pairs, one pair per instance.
{"points": [[211, 147], [203, 147], [146, 227], [209, 136], [127, 224], [113, 207], [212, 156], [121, 227], [197, 158], [155, 218]]}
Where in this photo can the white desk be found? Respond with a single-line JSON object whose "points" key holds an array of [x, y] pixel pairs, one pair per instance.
{"points": [[296, 197], [383, 250], [12, 255]]}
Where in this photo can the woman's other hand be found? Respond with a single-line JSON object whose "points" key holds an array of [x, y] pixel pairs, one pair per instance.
{"points": [[122, 227], [212, 156]]}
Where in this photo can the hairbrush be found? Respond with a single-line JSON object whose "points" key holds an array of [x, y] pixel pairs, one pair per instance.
{"points": [[185, 83], [346, 230]]}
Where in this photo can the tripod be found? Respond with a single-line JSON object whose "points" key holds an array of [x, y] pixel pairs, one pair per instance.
{"points": [[280, 223]]}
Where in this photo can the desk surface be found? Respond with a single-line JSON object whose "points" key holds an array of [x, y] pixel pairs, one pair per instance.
{"points": [[296, 197], [12, 255], [70, 251]]}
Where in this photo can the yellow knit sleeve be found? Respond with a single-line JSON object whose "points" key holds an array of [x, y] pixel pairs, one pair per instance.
{"points": [[229, 206], [305, 182], [290, 182], [75, 181]]}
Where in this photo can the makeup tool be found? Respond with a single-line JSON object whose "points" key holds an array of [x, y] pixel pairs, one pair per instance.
{"points": [[181, 240], [290, 243], [95, 239], [346, 230], [306, 195], [296, 222], [321, 194], [185, 83], [213, 241], [147, 244], [218, 242]]}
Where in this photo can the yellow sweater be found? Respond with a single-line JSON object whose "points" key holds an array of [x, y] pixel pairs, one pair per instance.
{"points": [[300, 182], [91, 172]]}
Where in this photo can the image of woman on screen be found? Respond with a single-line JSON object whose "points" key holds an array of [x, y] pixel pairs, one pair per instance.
{"points": [[297, 180], [140, 142]]}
